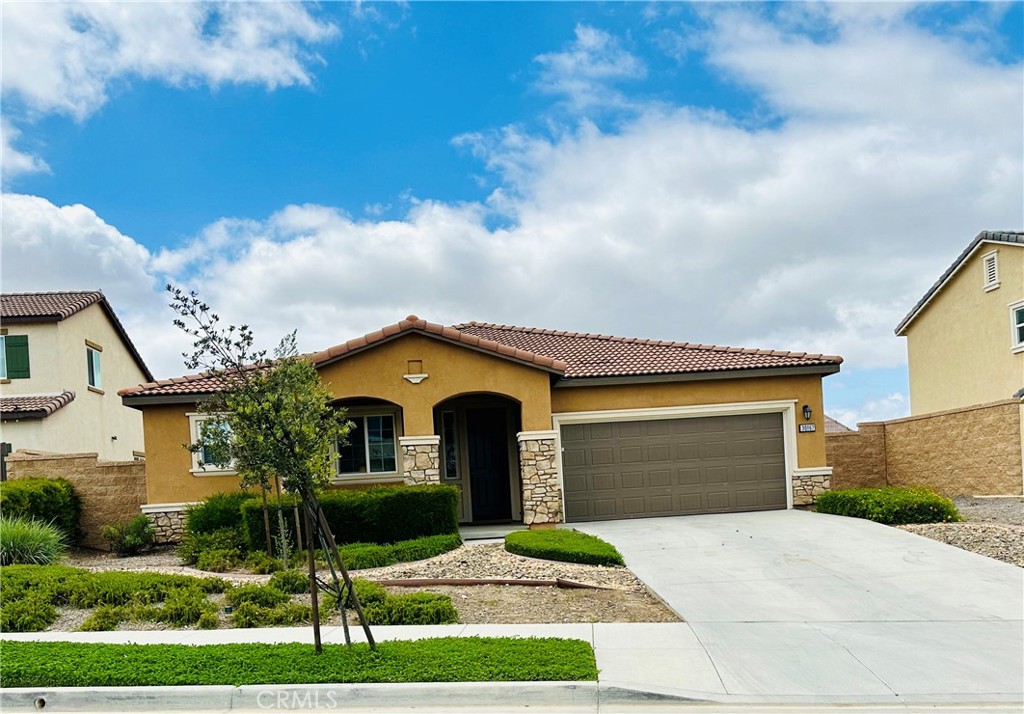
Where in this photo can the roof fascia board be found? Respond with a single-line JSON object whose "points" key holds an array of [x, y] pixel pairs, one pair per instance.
{"points": [[823, 369], [441, 338], [901, 329], [153, 399], [34, 414]]}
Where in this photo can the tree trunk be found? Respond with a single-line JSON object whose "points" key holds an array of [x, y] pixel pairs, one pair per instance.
{"points": [[266, 520], [314, 587]]}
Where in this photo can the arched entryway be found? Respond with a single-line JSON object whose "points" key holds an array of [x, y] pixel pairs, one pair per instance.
{"points": [[480, 455]]}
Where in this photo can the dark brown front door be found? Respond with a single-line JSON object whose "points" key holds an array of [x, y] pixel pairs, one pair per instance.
{"points": [[487, 440]]}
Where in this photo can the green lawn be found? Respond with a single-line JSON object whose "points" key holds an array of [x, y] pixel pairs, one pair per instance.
{"points": [[564, 545], [452, 659]]}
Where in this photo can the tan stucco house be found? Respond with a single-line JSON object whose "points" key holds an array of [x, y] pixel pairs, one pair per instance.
{"points": [[541, 426], [965, 337], [63, 358]]}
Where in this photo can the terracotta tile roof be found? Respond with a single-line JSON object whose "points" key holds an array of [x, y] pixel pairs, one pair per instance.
{"points": [[590, 355], [835, 427], [567, 354], [49, 307], [33, 406], [18, 308], [451, 334], [1005, 237]]}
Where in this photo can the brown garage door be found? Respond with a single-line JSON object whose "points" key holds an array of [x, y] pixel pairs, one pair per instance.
{"points": [[637, 469]]}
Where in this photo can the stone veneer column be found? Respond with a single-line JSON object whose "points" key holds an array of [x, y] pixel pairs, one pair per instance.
{"points": [[421, 459], [808, 484], [168, 521], [542, 484]]}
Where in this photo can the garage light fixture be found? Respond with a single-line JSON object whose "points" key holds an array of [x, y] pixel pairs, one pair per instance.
{"points": [[807, 412]]}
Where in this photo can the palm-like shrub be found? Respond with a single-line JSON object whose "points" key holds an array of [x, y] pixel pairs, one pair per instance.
{"points": [[29, 542]]}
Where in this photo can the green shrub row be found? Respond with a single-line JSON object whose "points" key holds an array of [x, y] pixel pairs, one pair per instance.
{"points": [[29, 542], [563, 545], [455, 659], [44, 499], [359, 556], [250, 614], [216, 512], [182, 608], [894, 505], [382, 608], [383, 514]]}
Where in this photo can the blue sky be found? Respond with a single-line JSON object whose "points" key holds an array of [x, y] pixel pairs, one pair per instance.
{"points": [[789, 176]]}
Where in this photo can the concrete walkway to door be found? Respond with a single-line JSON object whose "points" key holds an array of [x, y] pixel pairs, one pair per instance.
{"points": [[798, 606]]}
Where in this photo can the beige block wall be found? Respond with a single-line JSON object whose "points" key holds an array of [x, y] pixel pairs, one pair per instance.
{"points": [[959, 348], [970, 451], [111, 491]]}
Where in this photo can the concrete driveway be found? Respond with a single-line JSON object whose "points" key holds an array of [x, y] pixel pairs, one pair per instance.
{"points": [[798, 606]]}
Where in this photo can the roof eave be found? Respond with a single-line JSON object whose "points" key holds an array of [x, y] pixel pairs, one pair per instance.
{"points": [[18, 416], [441, 338], [949, 274], [822, 369]]}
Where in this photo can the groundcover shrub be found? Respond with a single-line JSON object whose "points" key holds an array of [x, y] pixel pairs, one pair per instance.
{"points": [[893, 505], [29, 542], [290, 581], [131, 537], [379, 515], [194, 545], [43, 499], [564, 545], [454, 659], [411, 609]]}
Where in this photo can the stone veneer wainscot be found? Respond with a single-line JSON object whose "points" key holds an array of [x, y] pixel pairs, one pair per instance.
{"points": [[542, 487]]}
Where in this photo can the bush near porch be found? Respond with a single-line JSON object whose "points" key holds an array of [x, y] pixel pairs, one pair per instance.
{"points": [[894, 505], [563, 545], [382, 514]]}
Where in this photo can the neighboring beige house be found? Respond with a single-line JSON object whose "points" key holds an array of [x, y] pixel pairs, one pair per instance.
{"points": [[965, 337], [63, 358]]}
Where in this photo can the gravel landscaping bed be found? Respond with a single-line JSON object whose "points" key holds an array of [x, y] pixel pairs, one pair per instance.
{"points": [[626, 598], [993, 527]]}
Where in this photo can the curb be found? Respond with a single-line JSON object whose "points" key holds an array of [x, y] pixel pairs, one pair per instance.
{"points": [[446, 695]]}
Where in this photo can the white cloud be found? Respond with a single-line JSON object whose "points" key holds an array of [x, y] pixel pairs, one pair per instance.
{"points": [[64, 57], [891, 406], [816, 234], [586, 71], [15, 162]]}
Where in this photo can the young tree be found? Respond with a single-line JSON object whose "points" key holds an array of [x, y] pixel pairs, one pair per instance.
{"points": [[273, 422]]}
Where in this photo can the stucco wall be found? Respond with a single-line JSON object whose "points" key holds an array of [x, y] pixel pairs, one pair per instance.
{"points": [[453, 371], [57, 363], [969, 451], [959, 347], [111, 491], [805, 389]]}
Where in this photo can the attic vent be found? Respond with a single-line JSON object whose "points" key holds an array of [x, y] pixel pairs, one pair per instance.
{"points": [[990, 268]]}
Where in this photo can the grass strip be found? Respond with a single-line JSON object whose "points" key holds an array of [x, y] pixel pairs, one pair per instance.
{"points": [[449, 659]]}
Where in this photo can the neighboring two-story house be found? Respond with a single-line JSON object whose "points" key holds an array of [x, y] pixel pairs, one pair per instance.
{"points": [[63, 358], [965, 337]]}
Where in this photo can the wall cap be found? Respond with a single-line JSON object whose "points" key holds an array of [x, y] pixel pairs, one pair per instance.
{"points": [[813, 471], [166, 507], [944, 412], [537, 435], [428, 440]]}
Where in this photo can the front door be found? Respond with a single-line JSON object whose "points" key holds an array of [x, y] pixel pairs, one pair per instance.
{"points": [[487, 444]]}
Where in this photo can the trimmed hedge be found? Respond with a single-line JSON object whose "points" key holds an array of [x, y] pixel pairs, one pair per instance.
{"points": [[221, 510], [453, 659], [383, 514], [894, 505], [563, 545], [51, 500]]}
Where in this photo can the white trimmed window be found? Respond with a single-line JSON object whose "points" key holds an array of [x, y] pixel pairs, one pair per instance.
{"points": [[1017, 326], [206, 460], [990, 270], [372, 447], [92, 366]]}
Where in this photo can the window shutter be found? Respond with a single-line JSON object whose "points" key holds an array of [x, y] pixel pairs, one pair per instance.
{"points": [[17, 356]]}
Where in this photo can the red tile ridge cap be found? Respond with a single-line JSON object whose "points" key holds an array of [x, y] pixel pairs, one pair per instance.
{"points": [[657, 343]]}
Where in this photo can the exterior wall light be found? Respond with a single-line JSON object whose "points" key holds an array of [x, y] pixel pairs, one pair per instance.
{"points": [[807, 412]]}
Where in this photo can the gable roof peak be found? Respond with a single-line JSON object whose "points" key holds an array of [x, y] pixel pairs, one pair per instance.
{"points": [[1002, 237]]}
